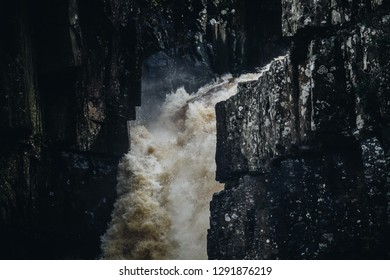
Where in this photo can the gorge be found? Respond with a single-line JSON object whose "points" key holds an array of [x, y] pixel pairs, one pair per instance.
{"points": [[302, 149]]}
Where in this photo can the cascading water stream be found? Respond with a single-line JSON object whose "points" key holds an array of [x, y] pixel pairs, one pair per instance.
{"points": [[166, 181]]}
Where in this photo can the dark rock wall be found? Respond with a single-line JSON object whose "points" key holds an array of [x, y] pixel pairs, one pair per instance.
{"points": [[70, 78], [304, 151]]}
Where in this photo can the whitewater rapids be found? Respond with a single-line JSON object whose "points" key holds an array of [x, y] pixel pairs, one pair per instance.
{"points": [[166, 181]]}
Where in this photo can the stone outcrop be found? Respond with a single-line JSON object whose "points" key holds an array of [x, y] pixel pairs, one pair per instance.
{"points": [[304, 151]]}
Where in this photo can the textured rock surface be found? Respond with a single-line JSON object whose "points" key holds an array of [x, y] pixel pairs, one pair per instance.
{"points": [[301, 14], [257, 124], [304, 151]]}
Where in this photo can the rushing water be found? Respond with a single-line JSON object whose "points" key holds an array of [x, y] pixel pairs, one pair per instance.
{"points": [[166, 181]]}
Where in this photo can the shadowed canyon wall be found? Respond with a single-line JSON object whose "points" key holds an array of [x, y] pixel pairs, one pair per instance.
{"points": [[70, 79], [303, 152]]}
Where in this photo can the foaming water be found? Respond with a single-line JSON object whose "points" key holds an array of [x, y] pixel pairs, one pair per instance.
{"points": [[166, 181]]}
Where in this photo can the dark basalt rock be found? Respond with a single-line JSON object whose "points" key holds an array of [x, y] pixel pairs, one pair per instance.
{"points": [[304, 150]]}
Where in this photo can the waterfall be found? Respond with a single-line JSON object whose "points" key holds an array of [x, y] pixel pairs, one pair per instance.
{"points": [[166, 181]]}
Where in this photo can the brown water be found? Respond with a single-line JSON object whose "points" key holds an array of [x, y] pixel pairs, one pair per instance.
{"points": [[166, 181]]}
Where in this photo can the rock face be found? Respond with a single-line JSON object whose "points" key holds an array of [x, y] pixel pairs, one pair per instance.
{"points": [[303, 14], [70, 79], [309, 139], [304, 151]]}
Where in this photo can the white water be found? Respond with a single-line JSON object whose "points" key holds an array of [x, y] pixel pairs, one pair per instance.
{"points": [[167, 180]]}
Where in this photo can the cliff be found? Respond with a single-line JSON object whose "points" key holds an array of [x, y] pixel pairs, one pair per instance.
{"points": [[70, 80], [71, 73], [304, 151]]}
